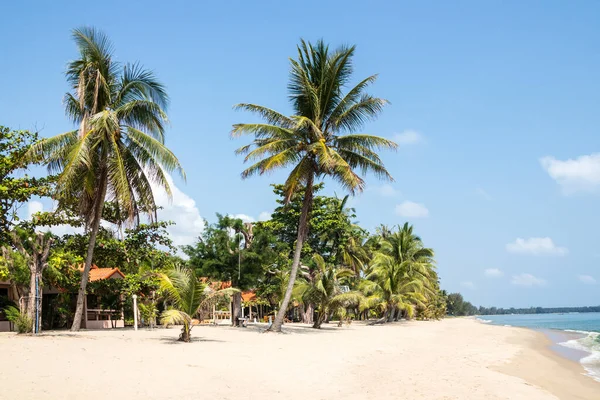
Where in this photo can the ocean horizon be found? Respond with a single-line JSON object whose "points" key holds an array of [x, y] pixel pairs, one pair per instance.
{"points": [[581, 331]]}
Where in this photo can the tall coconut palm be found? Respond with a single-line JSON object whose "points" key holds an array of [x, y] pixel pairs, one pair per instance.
{"points": [[318, 140], [118, 150]]}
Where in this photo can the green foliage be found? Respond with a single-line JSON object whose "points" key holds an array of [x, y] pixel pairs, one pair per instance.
{"points": [[330, 227], [226, 252], [119, 143], [15, 189], [324, 290], [148, 312], [22, 322], [14, 263], [402, 274], [185, 293], [62, 271], [146, 247], [457, 306]]}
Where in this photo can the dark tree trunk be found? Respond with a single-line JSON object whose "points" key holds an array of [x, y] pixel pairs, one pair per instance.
{"points": [[302, 231], [392, 313], [236, 308], [308, 314], [98, 206], [319, 321]]}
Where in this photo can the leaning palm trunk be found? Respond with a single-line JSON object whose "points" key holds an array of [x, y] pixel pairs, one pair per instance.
{"points": [[302, 232], [320, 319], [98, 206]]}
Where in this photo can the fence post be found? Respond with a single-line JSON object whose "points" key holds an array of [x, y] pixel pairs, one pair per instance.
{"points": [[135, 310]]}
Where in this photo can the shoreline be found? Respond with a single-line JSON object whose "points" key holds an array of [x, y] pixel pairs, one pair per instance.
{"points": [[561, 375]]}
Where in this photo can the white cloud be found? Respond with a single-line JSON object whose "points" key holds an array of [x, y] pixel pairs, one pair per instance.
{"points": [[387, 191], [527, 280], [493, 272], [33, 207], [411, 209], [579, 174], [264, 216], [536, 246], [483, 194], [243, 217], [588, 280], [408, 137], [468, 284], [182, 210]]}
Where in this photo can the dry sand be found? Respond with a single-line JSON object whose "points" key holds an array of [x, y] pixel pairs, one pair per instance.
{"points": [[451, 359]]}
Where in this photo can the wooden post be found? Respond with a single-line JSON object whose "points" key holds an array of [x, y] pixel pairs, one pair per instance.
{"points": [[135, 310]]}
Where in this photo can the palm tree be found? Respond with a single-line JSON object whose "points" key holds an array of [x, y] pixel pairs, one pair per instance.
{"points": [[402, 274], [186, 294], [118, 150], [317, 140], [326, 291]]}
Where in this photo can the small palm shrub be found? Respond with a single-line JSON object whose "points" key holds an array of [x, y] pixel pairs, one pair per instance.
{"points": [[22, 322]]}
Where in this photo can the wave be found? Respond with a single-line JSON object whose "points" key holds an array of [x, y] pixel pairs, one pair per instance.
{"points": [[591, 345], [485, 321]]}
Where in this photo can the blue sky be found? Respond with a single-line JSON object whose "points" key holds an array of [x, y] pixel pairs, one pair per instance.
{"points": [[495, 105]]}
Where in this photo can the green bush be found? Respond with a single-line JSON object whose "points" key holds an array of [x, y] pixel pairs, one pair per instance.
{"points": [[22, 322]]}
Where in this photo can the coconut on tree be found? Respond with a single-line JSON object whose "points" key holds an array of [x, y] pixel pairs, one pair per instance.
{"points": [[319, 140], [117, 152]]}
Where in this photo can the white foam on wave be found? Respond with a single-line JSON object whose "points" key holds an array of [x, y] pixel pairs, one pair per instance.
{"points": [[576, 331], [591, 345], [485, 321]]}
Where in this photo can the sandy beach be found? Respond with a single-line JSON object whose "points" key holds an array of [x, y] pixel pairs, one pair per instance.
{"points": [[451, 359]]}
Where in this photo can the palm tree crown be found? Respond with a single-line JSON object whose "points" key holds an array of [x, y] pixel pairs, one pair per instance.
{"points": [[120, 111], [316, 140]]}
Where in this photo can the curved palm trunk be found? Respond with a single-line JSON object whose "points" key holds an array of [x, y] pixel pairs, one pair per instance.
{"points": [[186, 331], [320, 319], [302, 231], [98, 206]]}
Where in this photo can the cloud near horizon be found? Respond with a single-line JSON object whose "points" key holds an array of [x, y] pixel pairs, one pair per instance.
{"points": [[536, 246], [387, 190], [483, 194], [264, 216], [408, 137], [527, 280], [493, 272], [586, 279], [576, 174], [410, 209], [182, 210], [468, 284]]}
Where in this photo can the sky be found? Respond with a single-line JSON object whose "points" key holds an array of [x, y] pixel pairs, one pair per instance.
{"points": [[495, 106]]}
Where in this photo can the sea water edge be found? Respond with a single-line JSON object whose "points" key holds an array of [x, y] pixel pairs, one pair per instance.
{"points": [[576, 344]]}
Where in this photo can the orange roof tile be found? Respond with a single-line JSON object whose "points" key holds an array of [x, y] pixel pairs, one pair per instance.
{"points": [[98, 274], [248, 296]]}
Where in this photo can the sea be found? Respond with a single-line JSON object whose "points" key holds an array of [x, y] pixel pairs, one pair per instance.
{"points": [[576, 331]]}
